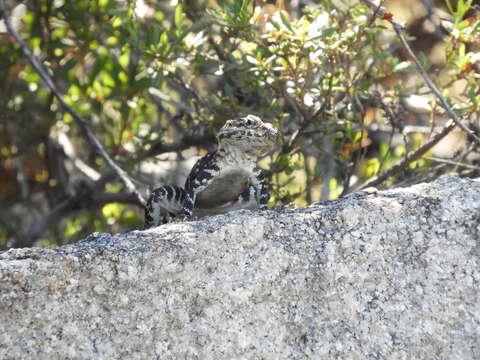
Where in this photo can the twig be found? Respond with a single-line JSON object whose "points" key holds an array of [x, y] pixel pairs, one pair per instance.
{"points": [[41, 225], [398, 29], [410, 157], [446, 130], [64, 208], [80, 122], [454, 163], [380, 10], [435, 90], [308, 120], [182, 144]]}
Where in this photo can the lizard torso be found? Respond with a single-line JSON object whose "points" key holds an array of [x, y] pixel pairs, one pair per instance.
{"points": [[223, 180]]}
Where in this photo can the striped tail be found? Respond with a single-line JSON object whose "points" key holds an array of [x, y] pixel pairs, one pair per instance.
{"points": [[164, 204]]}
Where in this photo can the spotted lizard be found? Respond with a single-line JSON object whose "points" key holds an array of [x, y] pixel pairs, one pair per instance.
{"points": [[223, 180]]}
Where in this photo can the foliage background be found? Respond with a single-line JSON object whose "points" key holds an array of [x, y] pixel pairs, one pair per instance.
{"points": [[156, 79]]}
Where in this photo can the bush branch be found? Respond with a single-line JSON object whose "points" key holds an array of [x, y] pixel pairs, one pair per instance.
{"points": [[398, 29], [415, 155], [66, 208], [94, 142]]}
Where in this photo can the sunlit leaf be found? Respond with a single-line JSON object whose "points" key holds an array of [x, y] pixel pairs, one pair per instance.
{"points": [[371, 168], [179, 16], [449, 6], [286, 21]]}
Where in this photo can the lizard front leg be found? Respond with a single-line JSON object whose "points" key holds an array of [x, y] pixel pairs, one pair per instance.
{"points": [[189, 203], [255, 193], [196, 184], [202, 173]]}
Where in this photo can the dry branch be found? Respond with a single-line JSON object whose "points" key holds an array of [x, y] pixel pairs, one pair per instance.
{"points": [[398, 29], [67, 207], [415, 155], [455, 120]]}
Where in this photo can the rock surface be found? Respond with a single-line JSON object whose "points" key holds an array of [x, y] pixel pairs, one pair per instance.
{"points": [[393, 275]]}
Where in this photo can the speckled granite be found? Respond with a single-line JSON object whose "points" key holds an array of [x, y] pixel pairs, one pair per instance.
{"points": [[388, 275]]}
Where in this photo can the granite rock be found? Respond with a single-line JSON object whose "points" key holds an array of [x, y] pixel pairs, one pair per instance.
{"points": [[391, 274]]}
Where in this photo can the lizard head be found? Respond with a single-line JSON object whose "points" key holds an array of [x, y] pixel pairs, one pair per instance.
{"points": [[249, 135]]}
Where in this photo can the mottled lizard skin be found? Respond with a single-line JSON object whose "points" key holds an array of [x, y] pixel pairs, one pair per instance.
{"points": [[223, 180]]}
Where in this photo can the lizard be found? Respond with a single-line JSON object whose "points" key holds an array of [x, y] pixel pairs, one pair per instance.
{"points": [[223, 180]]}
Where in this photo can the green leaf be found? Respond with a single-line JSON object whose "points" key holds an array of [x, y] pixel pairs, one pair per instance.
{"points": [[123, 77], [449, 6], [117, 21], [179, 16], [164, 39], [103, 3], [357, 136], [239, 6], [372, 167], [476, 27], [333, 186], [284, 161], [286, 21], [153, 34], [329, 32], [245, 4], [107, 79], [461, 50], [164, 44], [124, 58], [72, 227], [158, 80], [462, 8], [384, 149], [423, 60]]}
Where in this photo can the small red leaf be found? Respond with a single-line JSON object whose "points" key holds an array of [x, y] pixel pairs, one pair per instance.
{"points": [[468, 67], [388, 16]]}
